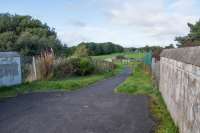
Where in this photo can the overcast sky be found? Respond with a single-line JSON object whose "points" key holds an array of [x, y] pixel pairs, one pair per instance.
{"points": [[131, 23]]}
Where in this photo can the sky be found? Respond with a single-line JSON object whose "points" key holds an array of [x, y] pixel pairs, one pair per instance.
{"points": [[131, 23]]}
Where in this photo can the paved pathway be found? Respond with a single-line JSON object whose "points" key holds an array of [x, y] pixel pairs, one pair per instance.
{"points": [[94, 109]]}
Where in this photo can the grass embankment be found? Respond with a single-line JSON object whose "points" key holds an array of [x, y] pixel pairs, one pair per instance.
{"points": [[126, 54], [140, 83], [68, 84]]}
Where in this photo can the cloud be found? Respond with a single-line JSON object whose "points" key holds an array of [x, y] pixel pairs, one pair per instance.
{"points": [[75, 35], [154, 18], [134, 22], [72, 38], [78, 23]]}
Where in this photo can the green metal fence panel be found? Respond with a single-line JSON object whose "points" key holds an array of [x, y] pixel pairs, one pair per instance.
{"points": [[148, 58]]}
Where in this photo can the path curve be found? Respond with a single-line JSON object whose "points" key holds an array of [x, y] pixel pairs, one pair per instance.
{"points": [[94, 109]]}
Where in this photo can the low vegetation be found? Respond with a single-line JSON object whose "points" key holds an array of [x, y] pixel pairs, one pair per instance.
{"points": [[80, 64], [62, 73], [126, 54], [140, 83], [67, 84]]}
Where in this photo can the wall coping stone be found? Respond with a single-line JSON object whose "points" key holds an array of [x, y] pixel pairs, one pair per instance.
{"points": [[189, 55]]}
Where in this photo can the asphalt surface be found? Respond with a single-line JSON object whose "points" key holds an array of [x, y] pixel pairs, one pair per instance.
{"points": [[94, 109]]}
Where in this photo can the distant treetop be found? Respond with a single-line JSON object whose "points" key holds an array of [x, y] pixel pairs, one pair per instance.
{"points": [[192, 39], [102, 48], [26, 35]]}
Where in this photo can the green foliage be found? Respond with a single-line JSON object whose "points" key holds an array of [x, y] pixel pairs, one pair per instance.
{"points": [[81, 51], [82, 66], [62, 69], [150, 48], [192, 39], [68, 51], [170, 46], [79, 66], [26, 35], [102, 48], [125, 54], [86, 66], [130, 49], [140, 83]]}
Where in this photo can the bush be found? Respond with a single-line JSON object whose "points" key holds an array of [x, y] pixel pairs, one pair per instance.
{"points": [[62, 69], [73, 66], [82, 66], [86, 66]]}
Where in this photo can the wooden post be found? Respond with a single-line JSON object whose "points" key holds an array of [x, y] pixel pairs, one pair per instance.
{"points": [[34, 69]]}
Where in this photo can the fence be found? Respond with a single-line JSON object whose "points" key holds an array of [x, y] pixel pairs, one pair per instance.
{"points": [[148, 58], [102, 65], [38, 67], [41, 67], [26, 65], [155, 69]]}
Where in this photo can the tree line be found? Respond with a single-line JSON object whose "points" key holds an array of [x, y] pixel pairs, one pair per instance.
{"points": [[30, 36], [102, 48]]}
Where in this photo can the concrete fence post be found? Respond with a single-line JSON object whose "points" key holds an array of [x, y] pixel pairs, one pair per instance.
{"points": [[34, 68]]}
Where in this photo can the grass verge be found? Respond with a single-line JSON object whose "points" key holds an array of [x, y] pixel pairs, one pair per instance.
{"points": [[69, 84], [140, 83], [127, 54]]}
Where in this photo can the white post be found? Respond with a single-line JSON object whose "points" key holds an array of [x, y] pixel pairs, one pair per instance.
{"points": [[34, 68]]}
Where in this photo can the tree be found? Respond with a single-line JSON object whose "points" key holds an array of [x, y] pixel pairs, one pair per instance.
{"points": [[81, 51], [192, 39], [102, 48], [26, 35], [170, 46]]}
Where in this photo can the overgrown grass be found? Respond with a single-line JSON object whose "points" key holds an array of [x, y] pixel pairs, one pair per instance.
{"points": [[68, 84], [127, 54], [140, 83]]}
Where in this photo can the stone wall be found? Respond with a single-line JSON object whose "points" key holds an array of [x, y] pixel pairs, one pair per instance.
{"points": [[180, 86], [10, 69]]}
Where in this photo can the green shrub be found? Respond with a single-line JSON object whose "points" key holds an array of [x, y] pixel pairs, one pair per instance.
{"points": [[86, 66], [62, 69], [82, 66]]}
